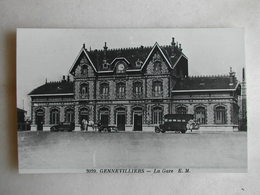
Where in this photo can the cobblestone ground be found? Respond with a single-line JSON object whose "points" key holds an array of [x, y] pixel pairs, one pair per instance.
{"points": [[80, 150]]}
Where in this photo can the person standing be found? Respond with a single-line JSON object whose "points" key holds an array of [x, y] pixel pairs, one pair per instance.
{"points": [[190, 124], [86, 125], [83, 125]]}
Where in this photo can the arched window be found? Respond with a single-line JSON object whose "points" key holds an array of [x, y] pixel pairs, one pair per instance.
{"points": [[157, 67], [137, 89], [104, 116], [84, 90], [69, 115], [200, 115], [84, 69], [181, 110], [104, 90], [120, 89], [83, 114], [54, 116], [157, 89], [157, 115], [220, 115]]}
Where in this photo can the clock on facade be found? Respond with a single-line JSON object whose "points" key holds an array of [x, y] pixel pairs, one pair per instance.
{"points": [[120, 67]]}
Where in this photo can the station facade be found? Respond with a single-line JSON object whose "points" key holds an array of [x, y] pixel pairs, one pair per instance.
{"points": [[133, 88]]}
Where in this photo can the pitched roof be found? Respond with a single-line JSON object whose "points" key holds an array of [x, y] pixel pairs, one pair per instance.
{"points": [[206, 83], [131, 55], [61, 87]]}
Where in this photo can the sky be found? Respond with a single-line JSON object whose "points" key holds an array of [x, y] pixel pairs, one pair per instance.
{"points": [[49, 53]]}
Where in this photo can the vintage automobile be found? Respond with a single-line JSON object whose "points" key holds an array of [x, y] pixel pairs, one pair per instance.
{"points": [[176, 122], [63, 127], [107, 128]]}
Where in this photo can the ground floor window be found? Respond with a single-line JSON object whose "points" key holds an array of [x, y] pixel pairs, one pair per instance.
{"points": [[220, 115], [83, 114], [54, 116], [69, 115], [200, 115], [157, 115], [181, 110]]}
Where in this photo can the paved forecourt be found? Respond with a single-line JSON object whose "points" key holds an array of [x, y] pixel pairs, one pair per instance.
{"points": [[80, 150]]}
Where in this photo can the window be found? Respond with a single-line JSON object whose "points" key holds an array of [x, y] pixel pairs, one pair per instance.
{"points": [[157, 115], [120, 88], [54, 116], [200, 115], [69, 115], [104, 90], [137, 89], [83, 114], [181, 110], [105, 65], [220, 115], [138, 63], [84, 69], [157, 67], [84, 90], [157, 89]]}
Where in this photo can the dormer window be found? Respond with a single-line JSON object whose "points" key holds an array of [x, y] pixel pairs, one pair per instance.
{"points": [[105, 65], [138, 63]]}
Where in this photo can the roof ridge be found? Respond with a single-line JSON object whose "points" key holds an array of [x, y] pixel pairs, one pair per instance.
{"points": [[208, 76], [120, 49]]}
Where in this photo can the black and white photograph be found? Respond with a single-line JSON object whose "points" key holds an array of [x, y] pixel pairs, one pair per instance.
{"points": [[131, 100]]}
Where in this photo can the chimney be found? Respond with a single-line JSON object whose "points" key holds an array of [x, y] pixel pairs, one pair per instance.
{"points": [[231, 77], [243, 74], [83, 45], [173, 42], [105, 51], [68, 78], [173, 45], [180, 47], [63, 78]]}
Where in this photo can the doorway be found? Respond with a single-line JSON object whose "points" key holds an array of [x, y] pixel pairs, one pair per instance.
{"points": [[104, 119], [121, 120], [138, 124], [39, 120]]}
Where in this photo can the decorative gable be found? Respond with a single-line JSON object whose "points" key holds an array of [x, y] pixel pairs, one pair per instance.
{"points": [[156, 62], [83, 65], [84, 68], [157, 65]]}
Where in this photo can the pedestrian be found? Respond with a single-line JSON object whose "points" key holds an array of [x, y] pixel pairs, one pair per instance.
{"points": [[190, 124], [91, 124], [86, 125], [99, 126], [83, 124]]}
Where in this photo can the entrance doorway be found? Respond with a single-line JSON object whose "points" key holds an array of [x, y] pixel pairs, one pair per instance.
{"points": [[104, 116], [39, 120], [121, 120], [138, 121], [84, 114]]}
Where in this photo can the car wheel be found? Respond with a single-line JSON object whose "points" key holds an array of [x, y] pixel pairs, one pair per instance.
{"points": [[157, 130]]}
